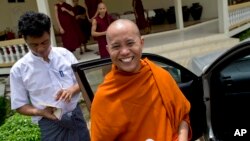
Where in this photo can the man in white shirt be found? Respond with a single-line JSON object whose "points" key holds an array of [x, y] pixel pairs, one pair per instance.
{"points": [[43, 84]]}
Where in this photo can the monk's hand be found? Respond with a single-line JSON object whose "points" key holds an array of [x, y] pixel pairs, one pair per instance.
{"points": [[48, 112], [61, 30], [65, 95], [63, 9], [183, 131]]}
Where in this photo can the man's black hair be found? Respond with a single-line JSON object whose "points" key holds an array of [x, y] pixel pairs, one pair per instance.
{"points": [[34, 24]]}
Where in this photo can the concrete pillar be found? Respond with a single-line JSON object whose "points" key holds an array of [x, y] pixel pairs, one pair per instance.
{"points": [[43, 7], [178, 13], [223, 16]]}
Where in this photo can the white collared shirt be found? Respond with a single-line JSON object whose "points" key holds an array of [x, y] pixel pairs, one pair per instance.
{"points": [[34, 81]]}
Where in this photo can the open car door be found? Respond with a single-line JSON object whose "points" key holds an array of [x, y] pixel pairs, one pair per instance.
{"points": [[227, 89], [91, 73]]}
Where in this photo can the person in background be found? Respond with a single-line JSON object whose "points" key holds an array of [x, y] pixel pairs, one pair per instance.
{"points": [[141, 21], [68, 26], [143, 100], [84, 24], [43, 84], [99, 26], [92, 5]]}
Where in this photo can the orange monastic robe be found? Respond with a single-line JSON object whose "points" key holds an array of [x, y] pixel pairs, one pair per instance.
{"points": [[138, 106]]}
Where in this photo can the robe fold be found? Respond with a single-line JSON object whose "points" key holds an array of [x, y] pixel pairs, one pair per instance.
{"points": [[138, 106], [84, 24], [141, 21], [92, 6], [71, 37]]}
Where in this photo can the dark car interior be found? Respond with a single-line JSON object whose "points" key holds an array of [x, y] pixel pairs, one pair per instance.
{"points": [[91, 73], [230, 94]]}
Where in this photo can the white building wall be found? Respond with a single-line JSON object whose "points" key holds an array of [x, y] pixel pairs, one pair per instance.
{"points": [[10, 13]]}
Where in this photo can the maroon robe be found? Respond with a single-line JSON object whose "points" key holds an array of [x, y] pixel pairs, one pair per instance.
{"points": [[84, 24], [101, 26], [71, 37], [141, 21], [92, 7]]}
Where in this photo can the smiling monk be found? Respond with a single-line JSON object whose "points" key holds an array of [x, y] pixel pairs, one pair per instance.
{"points": [[138, 100]]}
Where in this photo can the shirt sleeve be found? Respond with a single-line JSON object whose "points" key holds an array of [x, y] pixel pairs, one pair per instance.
{"points": [[70, 56], [19, 95]]}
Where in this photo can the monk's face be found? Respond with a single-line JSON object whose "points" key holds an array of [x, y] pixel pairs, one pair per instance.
{"points": [[125, 46], [102, 9]]}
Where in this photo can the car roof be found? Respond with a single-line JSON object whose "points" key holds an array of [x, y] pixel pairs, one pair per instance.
{"points": [[198, 64]]}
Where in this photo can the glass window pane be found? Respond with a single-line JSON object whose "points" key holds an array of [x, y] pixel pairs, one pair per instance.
{"points": [[96, 75]]}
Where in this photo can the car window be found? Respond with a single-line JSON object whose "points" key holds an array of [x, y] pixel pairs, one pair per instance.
{"points": [[96, 75], [175, 73]]}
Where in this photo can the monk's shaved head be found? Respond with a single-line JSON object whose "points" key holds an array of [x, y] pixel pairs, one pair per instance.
{"points": [[121, 25], [101, 4]]}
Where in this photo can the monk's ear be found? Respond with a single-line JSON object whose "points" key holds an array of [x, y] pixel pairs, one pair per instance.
{"points": [[142, 41], [107, 48]]}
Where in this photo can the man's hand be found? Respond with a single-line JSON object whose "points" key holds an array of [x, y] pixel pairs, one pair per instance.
{"points": [[64, 94], [30, 110], [67, 94], [48, 112]]}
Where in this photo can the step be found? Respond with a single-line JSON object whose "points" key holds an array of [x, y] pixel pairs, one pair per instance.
{"points": [[201, 49], [181, 44], [185, 55]]}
